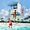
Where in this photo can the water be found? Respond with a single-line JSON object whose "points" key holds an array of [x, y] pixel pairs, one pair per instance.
{"points": [[4, 26], [14, 28]]}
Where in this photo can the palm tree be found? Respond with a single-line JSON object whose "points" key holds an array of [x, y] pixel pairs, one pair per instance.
{"points": [[12, 5]]}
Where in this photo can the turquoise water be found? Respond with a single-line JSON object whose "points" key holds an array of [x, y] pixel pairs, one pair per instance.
{"points": [[14, 28]]}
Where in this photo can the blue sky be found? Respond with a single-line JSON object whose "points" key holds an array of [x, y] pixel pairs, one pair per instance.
{"points": [[4, 3], [25, 3]]}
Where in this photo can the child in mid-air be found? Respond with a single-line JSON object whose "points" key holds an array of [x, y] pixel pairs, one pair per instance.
{"points": [[10, 23]]}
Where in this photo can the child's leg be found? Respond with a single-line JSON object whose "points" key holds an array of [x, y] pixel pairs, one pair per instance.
{"points": [[9, 26]]}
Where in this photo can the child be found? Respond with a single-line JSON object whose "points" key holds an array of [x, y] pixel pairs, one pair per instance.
{"points": [[10, 23]]}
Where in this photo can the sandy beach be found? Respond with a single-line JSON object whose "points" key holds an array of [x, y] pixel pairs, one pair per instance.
{"points": [[16, 24]]}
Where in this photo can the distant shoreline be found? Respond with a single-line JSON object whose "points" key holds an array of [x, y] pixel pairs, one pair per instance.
{"points": [[14, 22]]}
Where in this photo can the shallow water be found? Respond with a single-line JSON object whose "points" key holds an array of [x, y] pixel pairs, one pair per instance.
{"points": [[14, 28], [4, 26]]}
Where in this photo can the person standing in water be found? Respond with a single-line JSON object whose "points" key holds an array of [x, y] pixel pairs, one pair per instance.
{"points": [[10, 23]]}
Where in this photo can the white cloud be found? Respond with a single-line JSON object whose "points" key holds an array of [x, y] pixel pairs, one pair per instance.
{"points": [[19, 7], [2, 10], [4, 13], [27, 10], [26, 14]]}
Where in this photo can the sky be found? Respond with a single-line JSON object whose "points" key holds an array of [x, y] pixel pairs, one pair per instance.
{"points": [[25, 3], [4, 3]]}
